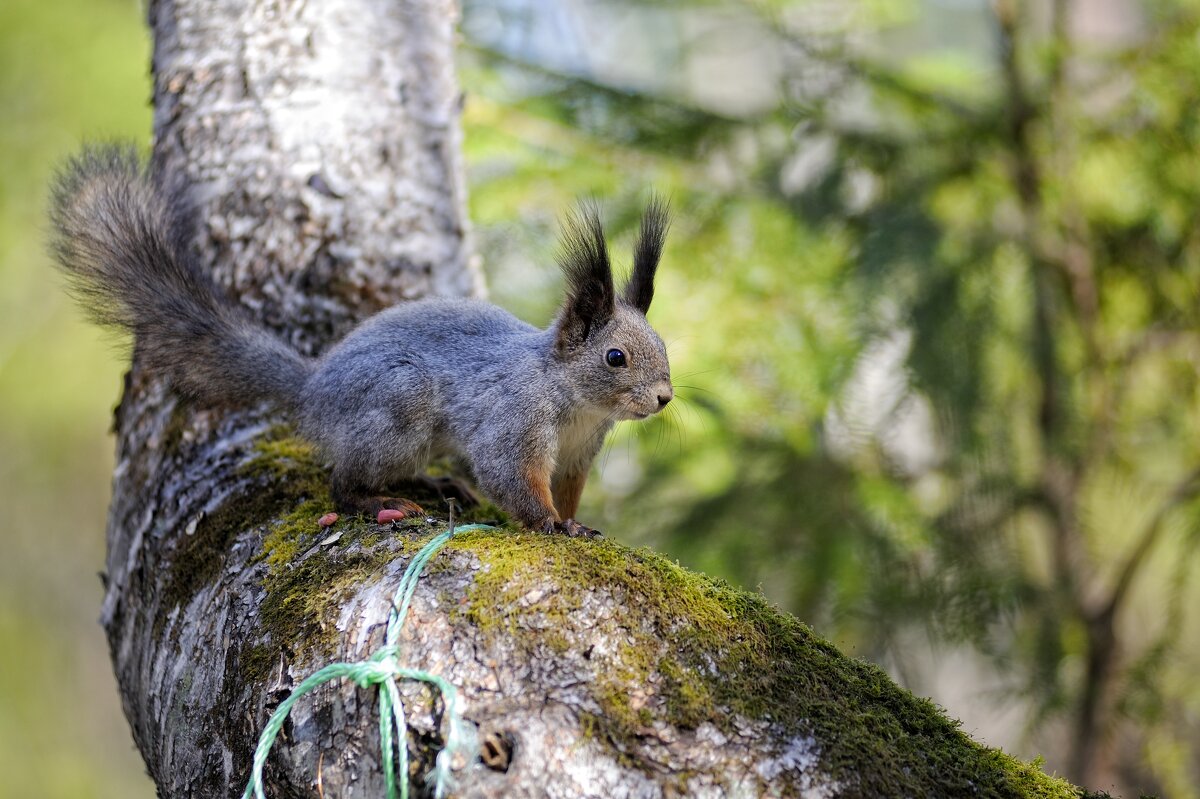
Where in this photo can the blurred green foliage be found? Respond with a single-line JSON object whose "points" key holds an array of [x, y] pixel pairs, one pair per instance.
{"points": [[68, 70], [936, 316]]}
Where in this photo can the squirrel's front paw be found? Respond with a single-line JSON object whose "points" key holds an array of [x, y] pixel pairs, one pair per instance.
{"points": [[574, 529]]}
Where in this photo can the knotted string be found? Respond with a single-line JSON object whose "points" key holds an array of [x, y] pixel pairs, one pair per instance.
{"points": [[383, 668]]}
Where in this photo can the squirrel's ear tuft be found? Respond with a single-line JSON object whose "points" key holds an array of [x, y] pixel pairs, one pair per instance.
{"points": [[639, 291], [583, 256]]}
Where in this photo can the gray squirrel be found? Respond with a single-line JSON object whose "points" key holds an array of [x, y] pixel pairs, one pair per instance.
{"points": [[527, 409]]}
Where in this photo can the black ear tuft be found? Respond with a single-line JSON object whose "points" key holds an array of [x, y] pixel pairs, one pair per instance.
{"points": [[639, 291], [583, 256]]}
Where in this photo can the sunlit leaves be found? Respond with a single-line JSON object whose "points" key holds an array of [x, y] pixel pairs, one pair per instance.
{"points": [[921, 394]]}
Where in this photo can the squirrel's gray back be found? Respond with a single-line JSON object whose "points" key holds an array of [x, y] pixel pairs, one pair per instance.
{"points": [[448, 367], [462, 338]]}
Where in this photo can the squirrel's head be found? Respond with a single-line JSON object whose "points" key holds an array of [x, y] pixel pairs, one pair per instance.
{"points": [[617, 363]]}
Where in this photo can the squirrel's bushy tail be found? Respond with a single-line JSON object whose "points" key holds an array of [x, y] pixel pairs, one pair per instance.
{"points": [[123, 244]]}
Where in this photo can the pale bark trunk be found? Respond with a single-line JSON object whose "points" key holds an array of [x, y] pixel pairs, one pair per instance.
{"points": [[321, 142]]}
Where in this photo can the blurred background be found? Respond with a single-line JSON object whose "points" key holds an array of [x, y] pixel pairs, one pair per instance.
{"points": [[930, 298]]}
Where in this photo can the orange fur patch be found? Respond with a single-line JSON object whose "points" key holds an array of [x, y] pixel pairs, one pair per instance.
{"points": [[538, 477], [567, 492]]}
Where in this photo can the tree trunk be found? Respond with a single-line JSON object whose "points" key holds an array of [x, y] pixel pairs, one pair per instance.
{"points": [[321, 143]]}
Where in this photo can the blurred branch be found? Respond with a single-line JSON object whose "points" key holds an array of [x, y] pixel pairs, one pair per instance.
{"points": [[551, 135], [1061, 474], [1021, 114], [1060, 42], [1156, 339], [880, 76], [1011, 501], [1059, 479], [1067, 251], [1075, 252], [687, 114], [1073, 247], [1187, 489], [1102, 647]]}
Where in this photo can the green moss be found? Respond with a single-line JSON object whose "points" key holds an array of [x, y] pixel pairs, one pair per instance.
{"points": [[281, 457], [625, 710], [285, 491], [306, 584], [687, 696], [258, 660], [706, 652], [281, 472], [294, 533]]}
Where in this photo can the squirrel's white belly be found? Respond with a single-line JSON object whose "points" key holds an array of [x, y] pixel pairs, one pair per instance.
{"points": [[581, 437]]}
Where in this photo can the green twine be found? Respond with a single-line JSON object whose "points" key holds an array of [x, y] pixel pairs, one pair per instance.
{"points": [[383, 668]]}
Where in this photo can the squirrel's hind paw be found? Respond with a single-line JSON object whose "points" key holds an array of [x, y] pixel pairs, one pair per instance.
{"points": [[389, 509]]}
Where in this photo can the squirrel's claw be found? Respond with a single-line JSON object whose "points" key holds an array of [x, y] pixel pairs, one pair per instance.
{"points": [[573, 529]]}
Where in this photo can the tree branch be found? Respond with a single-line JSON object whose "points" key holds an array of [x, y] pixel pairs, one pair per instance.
{"points": [[1185, 490]]}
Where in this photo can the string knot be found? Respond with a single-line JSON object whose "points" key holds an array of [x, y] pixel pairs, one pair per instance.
{"points": [[383, 665]]}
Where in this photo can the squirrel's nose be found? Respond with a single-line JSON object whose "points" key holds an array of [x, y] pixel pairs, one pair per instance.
{"points": [[663, 399]]}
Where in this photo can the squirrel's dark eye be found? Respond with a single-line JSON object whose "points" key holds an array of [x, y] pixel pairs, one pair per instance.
{"points": [[614, 358]]}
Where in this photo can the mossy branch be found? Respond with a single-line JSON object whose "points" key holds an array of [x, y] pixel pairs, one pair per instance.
{"points": [[664, 677]]}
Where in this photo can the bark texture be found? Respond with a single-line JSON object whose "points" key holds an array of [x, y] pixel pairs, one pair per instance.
{"points": [[321, 143]]}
